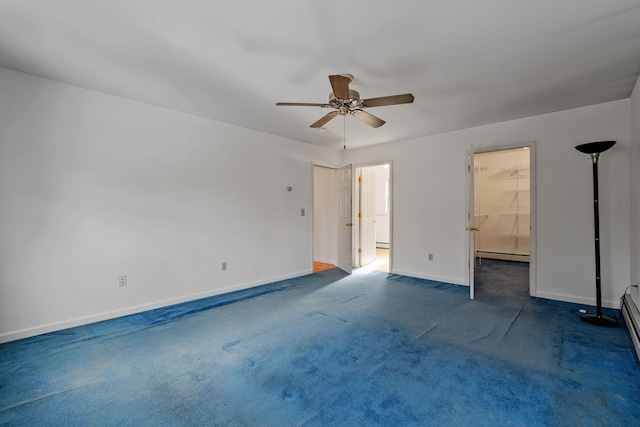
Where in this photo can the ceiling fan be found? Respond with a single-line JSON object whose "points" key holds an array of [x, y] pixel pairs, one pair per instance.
{"points": [[347, 101]]}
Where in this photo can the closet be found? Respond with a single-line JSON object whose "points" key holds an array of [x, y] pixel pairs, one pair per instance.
{"points": [[502, 204]]}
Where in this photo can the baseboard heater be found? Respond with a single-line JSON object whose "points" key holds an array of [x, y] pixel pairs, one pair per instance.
{"points": [[502, 256], [632, 318]]}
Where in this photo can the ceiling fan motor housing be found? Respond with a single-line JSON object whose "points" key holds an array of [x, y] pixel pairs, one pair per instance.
{"points": [[344, 105]]}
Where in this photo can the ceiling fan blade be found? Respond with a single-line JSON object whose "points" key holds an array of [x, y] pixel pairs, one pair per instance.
{"points": [[367, 118], [340, 86], [301, 104], [406, 98], [324, 119]]}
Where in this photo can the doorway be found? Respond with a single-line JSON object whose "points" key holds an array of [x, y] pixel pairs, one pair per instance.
{"points": [[332, 218], [352, 217], [372, 214], [325, 211], [501, 195]]}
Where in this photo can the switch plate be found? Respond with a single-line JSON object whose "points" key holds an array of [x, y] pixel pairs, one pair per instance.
{"points": [[430, 257], [224, 265], [302, 212]]}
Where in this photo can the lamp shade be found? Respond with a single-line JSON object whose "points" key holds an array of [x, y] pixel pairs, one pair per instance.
{"points": [[595, 147]]}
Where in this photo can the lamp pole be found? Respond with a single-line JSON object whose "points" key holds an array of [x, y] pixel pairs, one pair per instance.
{"points": [[594, 149]]}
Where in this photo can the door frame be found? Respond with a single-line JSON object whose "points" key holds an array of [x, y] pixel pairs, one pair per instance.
{"points": [[356, 231], [470, 252], [470, 222]]}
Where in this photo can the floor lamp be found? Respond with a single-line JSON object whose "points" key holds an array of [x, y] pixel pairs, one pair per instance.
{"points": [[594, 149]]}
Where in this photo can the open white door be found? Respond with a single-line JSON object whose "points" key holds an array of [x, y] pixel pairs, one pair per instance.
{"points": [[367, 216], [470, 228], [345, 224]]}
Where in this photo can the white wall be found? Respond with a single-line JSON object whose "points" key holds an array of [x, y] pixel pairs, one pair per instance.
{"points": [[325, 212], [94, 186], [635, 194], [429, 194]]}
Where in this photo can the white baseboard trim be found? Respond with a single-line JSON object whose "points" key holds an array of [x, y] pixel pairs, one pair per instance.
{"points": [[85, 320], [577, 300], [430, 277], [545, 295]]}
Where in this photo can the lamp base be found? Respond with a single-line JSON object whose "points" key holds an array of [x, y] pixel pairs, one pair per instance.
{"points": [[600, 320]]}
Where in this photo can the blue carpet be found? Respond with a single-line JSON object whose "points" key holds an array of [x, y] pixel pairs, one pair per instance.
{"points": [[330, 349]]}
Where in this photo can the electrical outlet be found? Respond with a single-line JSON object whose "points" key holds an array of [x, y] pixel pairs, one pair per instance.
{"points": [[123, 281], [224, 265], [430, 257]]}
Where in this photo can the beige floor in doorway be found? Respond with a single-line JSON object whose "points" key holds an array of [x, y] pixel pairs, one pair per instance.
{"points": [[380, 264], [321, 266]]}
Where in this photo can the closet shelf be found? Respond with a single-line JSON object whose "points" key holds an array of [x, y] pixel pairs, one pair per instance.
{"points": [[511, 173]]}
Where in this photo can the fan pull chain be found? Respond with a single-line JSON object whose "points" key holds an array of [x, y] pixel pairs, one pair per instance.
{"points": [[344, 132]]}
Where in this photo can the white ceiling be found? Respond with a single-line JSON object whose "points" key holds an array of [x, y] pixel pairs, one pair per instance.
{"points": [[467, 63]]}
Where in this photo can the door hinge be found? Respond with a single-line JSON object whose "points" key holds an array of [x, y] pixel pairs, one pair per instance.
{"points": [[359, 250], [359, 179], [468, 168], [359, 214]]}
